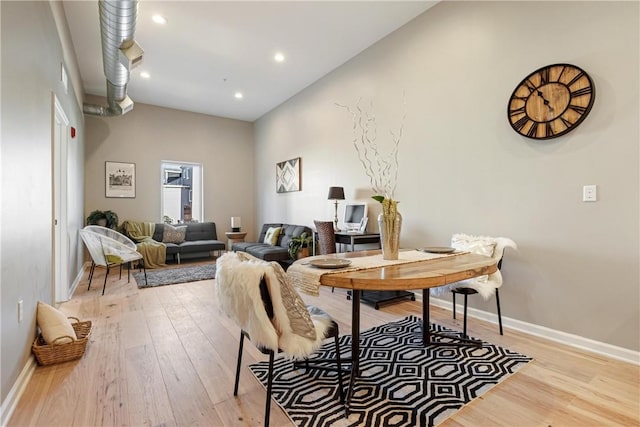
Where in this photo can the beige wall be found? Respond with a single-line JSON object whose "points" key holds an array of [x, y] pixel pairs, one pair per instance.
{"points": [[31, 58], [148, 135], [463, 169]]}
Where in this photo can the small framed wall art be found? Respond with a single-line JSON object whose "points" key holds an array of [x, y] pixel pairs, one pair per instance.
{"points": [[120, 179], [288, 176]]}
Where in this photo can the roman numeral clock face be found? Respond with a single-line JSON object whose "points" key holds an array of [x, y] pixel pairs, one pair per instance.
{"points": [[551, 101]]}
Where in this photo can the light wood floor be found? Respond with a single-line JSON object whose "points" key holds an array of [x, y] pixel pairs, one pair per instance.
{"points": [[165, 357]]}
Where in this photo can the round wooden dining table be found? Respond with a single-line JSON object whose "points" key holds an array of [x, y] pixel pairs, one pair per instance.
{"points": [[421, 275]]}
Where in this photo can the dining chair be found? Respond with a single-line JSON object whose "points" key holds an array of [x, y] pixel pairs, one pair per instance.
{"points": [[258, 296], [483, 285], [109, 248], [326, 237]]}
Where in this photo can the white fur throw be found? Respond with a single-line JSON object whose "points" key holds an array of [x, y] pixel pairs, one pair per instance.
{"points": [[292, 329], [483, 245]]}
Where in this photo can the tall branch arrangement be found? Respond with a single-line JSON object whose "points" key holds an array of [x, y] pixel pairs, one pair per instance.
{"points": [[381, 168]]}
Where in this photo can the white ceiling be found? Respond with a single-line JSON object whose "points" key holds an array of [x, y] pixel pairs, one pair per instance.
{"points": [[208, 50]]}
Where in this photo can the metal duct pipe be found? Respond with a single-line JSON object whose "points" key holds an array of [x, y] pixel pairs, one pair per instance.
{"points": [[120, 54]]}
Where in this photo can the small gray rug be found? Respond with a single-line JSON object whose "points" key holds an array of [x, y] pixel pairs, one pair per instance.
{"points": [[170, 276]]}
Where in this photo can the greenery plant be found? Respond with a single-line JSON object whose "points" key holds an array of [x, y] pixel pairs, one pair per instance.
{"points": [[297, 243], [107, 219]]}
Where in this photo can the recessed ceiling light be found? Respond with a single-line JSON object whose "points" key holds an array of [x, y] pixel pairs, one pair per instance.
{"points": [[159, 19], [238, 95], [279, 57], [145, 75]]}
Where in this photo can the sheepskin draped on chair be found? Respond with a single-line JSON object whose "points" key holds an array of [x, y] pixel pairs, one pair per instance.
{"points": [[258, 296], [484, 285]]}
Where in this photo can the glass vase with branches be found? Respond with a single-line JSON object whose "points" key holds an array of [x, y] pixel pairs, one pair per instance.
{"points": [[380, 167]]}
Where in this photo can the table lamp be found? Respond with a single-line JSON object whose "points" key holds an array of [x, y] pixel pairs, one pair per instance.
{"points": [[236, 223], [336, 193]]}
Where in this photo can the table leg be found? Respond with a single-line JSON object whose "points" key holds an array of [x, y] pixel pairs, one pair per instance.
{"points": [[355, 345], [426, 332], [427, 336]]}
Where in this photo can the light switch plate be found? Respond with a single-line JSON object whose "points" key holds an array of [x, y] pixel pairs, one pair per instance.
{"points": [[589, 193]]}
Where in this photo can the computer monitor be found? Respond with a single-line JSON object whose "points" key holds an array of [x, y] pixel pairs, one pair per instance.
{"points": [[355, 215]]}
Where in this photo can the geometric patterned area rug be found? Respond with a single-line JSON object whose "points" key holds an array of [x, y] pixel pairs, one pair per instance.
{"points": [[402, 383], [170, 276]]}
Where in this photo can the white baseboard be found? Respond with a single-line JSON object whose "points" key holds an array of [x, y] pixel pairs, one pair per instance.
{"points": [[9, 404], [572, 340], [78, 279], [75, 283]]}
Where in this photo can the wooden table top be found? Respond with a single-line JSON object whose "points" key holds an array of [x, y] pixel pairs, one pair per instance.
{"points": [[411, 276]]}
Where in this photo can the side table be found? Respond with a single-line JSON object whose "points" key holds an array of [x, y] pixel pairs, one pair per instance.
{"points": [[234, 237]]}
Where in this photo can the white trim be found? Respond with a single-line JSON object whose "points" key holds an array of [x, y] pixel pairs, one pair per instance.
{"points": [[60, 246], [9, 404], [571, 340], [76, 281]]}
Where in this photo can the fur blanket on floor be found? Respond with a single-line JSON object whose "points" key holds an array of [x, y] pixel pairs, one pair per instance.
{"points": [[292, 329]]}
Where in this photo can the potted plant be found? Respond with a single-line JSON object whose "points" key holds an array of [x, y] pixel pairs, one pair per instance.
{"points": [[299, 246], [107, 219]]}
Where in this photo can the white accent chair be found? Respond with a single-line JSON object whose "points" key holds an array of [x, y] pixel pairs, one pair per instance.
{"points": [[483, 285], [260, 299], [108, 248]]}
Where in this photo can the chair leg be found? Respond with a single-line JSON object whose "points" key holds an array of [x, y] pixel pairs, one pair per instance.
{"points": [[499, 313], [235, 387], [464, 329], [339, 363], [104, 286], [267, 409], [91, 270], [129, 272], [145, 272], [120, 272], [454, 304]]}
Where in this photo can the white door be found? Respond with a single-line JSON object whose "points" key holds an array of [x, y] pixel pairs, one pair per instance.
{"points": [[60, 253]]}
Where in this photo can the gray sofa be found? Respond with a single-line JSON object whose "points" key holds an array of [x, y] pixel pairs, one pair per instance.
{"points": [[278, 252], [201, 238]]}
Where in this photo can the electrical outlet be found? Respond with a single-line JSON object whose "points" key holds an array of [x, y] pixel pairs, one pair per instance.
{"points": [[589, 193], [19, 311]]}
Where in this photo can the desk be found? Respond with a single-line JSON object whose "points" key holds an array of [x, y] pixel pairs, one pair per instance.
{"points": [[413, 276], [352, 238]]}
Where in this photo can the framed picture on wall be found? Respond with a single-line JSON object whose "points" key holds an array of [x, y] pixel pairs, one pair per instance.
{"points": [[288, 176], [120, 179]]}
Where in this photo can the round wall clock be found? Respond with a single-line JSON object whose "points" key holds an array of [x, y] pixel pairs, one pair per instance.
{"points": [[551, 101]]}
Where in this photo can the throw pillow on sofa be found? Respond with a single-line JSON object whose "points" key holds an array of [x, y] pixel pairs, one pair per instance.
{"points": [[173, 234], [54, 324], [271, 238]]}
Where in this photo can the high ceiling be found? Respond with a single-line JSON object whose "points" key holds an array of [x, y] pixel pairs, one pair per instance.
{"points": [[209, 50]]}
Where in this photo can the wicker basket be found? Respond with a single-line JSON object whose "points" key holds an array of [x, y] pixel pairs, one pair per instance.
{"points": [[48, 354]]}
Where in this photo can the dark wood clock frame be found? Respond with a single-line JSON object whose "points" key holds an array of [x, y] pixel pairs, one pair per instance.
{"points": [[551, 101]]}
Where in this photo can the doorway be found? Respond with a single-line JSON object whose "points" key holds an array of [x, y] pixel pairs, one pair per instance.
{"points": [[60, 252]]}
